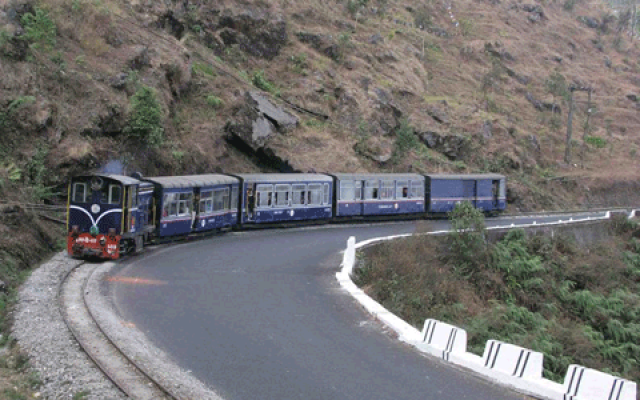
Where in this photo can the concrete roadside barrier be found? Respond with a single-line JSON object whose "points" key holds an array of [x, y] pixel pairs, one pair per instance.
{"points": [[441, 339], [512, 360], [583, 383]]}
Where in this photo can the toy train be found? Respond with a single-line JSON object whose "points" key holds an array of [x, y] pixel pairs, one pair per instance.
{"points": [[112, 215]]}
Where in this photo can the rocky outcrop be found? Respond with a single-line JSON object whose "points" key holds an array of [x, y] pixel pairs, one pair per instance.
{"points": [[452, 146], [258, 32], [543, 106], [257, 120]]}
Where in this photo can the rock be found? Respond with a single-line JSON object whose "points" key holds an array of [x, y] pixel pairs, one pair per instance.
{"points": [[632, 97], [543, 106], [607, 62], [557, 59], [590, 22], [452, 146], [140, 57], [3, 287], [256, 121], [258, 32], [333, 52], [440, 32], [533, 18], [386, 56], [438, 114], [119, 81], [487, 127], [536, 12], [316, 41], [376, 39], [534, 142]]}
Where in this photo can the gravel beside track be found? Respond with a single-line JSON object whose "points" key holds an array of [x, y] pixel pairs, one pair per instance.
{"points": [[63, 367]]}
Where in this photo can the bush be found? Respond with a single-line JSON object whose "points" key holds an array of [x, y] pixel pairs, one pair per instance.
{"points": [[261, 82], [214, 101], [596, 141], [405, 140], [39, 29], [145, 118]]}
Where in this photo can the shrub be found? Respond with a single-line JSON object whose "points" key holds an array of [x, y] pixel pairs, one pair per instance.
{"points": [[405, 140], [145, 118], [596, 141], [39, 29], [214, 101], [261, 82]]}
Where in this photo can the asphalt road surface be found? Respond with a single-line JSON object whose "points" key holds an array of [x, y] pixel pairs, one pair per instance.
{"points": [[260, 315]]}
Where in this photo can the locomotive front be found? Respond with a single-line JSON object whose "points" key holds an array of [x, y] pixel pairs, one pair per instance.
{"points": [[98, 214]]}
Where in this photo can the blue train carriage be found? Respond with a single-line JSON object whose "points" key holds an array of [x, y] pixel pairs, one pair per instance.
{"points": [[274, 198], [370, 194], [485, 191], [104, 219], [195, 203]]}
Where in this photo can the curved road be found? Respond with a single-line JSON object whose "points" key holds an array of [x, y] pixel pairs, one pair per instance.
{"points": [[260, 315]]}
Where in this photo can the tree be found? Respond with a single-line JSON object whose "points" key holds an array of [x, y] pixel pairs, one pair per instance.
{"points": [[467, 238], [145, 118]]}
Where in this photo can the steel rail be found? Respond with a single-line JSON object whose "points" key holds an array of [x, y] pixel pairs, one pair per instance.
{"points": [[122, 386]]}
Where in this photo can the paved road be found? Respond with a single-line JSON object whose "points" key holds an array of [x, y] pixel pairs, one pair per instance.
{"points": [[260, 315]]}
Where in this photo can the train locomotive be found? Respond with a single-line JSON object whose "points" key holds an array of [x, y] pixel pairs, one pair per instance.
{"points": [[112, 215]]}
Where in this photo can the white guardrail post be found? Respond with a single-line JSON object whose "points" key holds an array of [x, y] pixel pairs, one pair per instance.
{"points": [[583, 383]]}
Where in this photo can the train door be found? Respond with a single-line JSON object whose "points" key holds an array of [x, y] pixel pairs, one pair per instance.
{"points": [[359, 196], [495, 193], [469, 192], [251, 201]]}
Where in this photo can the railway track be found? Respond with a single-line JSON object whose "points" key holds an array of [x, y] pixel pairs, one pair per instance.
{"points": [[122, 371]]}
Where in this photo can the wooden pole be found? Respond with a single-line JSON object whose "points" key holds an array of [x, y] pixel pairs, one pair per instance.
{"points": [[567, 150]]}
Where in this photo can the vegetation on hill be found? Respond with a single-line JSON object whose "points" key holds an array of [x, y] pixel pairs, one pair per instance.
{"points": [[575, 305]]}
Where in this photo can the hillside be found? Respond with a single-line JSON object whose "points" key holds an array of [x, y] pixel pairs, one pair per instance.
{"points": [[432, 86]]}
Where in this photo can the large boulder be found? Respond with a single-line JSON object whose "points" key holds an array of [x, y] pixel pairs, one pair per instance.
{"points": [[257, 120], [258, 32], [452, 146]]}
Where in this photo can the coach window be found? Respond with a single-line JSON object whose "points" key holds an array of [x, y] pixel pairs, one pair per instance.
{"points": [[170, 205], [299, 191], [282, 195], [264, 195], [346, 190], [219, 199], [234, 198], [315, 194], [183, 204], [358, 190], [402, 189], [371, 189], [133, 193], [206, 202], [80, 194], [417, 189], [326, 193], [386, 191]]}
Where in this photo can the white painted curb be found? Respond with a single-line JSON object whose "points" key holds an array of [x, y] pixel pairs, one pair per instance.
{"points": [[507, 364]]}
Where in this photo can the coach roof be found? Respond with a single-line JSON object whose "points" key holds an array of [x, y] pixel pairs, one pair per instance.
{"points": [[366, 176], [125, 180], [292, 177], [188, 181], [466, 177]]}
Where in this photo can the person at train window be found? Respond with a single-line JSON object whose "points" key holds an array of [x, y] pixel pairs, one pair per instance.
{"points": [[405, 192]]}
